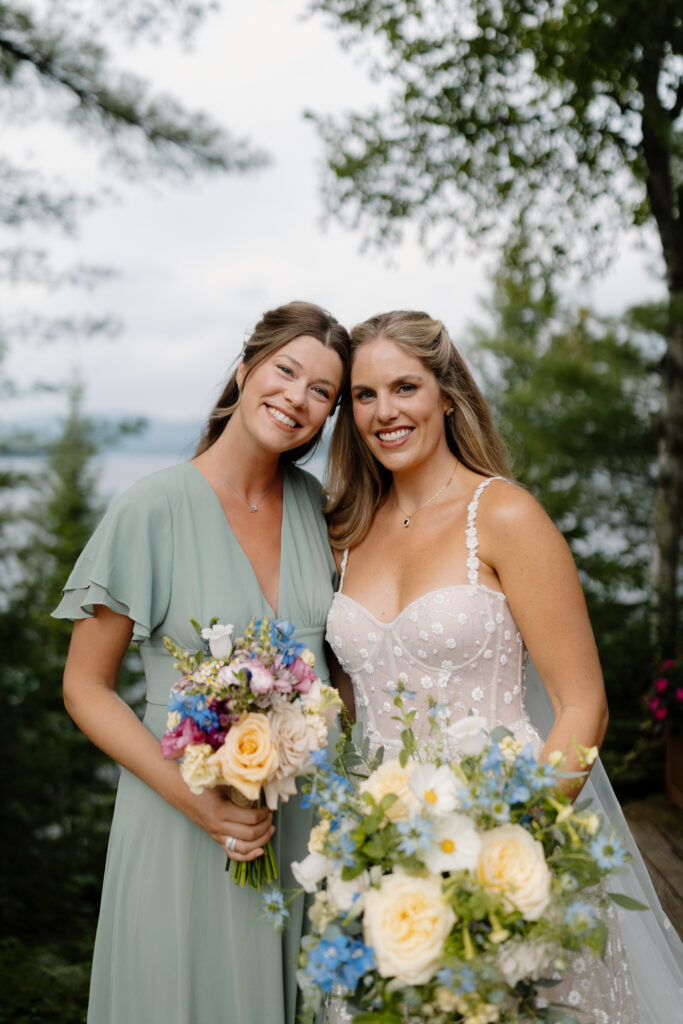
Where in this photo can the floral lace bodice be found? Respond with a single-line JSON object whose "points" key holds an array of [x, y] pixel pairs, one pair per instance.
{"points": [[459, 645]]}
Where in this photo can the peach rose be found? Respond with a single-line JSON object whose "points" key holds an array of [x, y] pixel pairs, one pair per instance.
{"points": [[390, 777], [512, 862], [248, 757], [406, 921]]}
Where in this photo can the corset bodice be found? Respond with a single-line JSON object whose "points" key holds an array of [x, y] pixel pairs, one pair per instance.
{"points": [[459, 645]]}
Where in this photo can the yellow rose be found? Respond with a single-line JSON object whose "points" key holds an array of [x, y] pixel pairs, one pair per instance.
{"points": [[198, 769], [390, 777], [248, 756], [406, 921], [512, 862]]}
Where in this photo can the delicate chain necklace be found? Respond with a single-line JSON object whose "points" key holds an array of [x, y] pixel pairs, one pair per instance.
{"points": [[253, 506], [406, 521]]}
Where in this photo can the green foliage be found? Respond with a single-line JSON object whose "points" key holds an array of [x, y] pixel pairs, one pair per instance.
{"points": [[58, 789], [536, 109], [576, 396]]}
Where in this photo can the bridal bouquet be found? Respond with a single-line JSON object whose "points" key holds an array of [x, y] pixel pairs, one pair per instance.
{"points": [[247, 713], [453, 883]]}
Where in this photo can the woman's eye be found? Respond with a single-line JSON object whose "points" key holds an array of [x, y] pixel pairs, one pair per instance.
{"points": [[363, 396], [406, 389], [322, 392], [286, 369]]}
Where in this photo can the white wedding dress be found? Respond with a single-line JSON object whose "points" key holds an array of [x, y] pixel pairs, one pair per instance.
{"points": [[460, 645]]}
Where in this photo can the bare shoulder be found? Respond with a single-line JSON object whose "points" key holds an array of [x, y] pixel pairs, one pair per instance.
{"points": [[508, 513]]}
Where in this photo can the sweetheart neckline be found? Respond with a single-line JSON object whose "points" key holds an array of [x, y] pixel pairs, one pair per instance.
{"points": [[429, 593]]}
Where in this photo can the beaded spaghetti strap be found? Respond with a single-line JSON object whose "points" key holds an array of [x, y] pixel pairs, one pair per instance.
{"points": [[345, 558], [471, 538]]}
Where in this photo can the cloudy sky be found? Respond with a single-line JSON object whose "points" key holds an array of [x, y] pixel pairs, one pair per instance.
{"points": [[199, 263]]}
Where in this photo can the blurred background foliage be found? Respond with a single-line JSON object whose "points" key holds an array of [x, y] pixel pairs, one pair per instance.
{"points": [[578, 396]]}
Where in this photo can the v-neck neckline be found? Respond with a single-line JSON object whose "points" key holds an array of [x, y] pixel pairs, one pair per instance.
{"points": [[274, 612]]}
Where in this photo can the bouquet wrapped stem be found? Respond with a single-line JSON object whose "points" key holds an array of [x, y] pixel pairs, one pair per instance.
{"points": [[254, 872]]}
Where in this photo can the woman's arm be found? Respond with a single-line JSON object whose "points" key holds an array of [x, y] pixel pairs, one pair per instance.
{"points": [[98, 645], [536, 570]]}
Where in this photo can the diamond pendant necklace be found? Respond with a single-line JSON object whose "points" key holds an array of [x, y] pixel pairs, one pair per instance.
{"points": [[253, 505], [406, 521]]}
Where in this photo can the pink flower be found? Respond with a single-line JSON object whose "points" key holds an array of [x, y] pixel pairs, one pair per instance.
{"points": [[304, 675], [661, 685], [173, 743], [660, 714], [261, 680], [654, 703], [679, 693], [669, 664]]}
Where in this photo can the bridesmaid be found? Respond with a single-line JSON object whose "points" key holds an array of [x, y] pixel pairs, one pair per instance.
{"points": [[234, 533]]}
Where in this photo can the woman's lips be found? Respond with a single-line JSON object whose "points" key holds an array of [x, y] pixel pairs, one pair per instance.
{"points": [[395, 437]]}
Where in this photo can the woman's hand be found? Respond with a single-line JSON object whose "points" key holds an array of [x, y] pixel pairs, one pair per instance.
{"points": [[215, 813]]}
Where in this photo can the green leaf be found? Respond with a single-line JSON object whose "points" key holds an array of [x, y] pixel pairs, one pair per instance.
{"points": [[626, 901]]}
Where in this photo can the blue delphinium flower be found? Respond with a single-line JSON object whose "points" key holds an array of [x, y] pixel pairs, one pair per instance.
{"points": [[494, 760], [194, 706], [342, 848], [418, 835], [339, 961], [459, 979], [274, 906], [282, 638], [608, 852]]}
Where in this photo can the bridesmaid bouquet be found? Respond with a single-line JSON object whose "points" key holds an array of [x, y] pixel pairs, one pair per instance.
{"points": [[247, 713], [453, 883]]}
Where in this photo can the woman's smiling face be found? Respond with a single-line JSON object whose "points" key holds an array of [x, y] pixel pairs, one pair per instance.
{"points": [[398, 407], [286, 399]]}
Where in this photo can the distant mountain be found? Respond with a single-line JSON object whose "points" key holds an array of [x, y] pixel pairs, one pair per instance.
{"points": [[157, 437]]}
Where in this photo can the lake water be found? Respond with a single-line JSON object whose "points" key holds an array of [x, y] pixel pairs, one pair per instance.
{"points": [[118, 470]]}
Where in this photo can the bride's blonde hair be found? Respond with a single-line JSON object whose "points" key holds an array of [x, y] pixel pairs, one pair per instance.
{"points": [[356, 482]]}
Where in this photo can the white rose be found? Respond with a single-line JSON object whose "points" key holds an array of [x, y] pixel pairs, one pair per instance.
{"points": [[455, 846], [468, 736], [524, 960], [391, 777], [220, 640], [512, 862], [322, 700], [341, 893], [406, 921], [311, 870]]}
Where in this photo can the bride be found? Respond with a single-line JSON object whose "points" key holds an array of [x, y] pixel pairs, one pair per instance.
{"points": [[449, 574]]}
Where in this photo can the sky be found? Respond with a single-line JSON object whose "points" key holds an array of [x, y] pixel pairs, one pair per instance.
{"points": [[198, 263]]}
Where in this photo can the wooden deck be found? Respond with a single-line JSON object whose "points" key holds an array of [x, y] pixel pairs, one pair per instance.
{"points": [[657, 827]]}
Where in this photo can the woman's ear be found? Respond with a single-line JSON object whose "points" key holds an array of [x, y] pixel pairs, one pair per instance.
{"points": [[240, 374]]}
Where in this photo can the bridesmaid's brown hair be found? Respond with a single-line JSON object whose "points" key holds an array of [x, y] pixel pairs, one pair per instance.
{"points": [[275, 329]]}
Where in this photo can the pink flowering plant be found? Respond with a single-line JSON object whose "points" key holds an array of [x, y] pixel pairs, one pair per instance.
{"points": [[664, 699], [247, 713], [453, 883]]}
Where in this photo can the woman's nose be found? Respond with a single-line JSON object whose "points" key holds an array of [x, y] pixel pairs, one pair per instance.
{"points": [[385, 408]]}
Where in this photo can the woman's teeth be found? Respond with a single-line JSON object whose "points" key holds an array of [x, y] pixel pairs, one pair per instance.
{"points": [[394, 435], [280, 416]]}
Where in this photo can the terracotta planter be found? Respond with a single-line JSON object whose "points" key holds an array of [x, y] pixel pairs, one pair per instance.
{"points": [[674, 766]]}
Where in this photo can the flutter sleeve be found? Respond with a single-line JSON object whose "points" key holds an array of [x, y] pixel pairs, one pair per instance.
{"points": [[127, 563]]}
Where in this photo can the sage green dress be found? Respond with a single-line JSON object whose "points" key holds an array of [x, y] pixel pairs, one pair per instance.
{"points": [[177, 941]]}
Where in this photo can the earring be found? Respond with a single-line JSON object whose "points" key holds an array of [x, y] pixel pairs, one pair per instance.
{"points": [[450, 410]]}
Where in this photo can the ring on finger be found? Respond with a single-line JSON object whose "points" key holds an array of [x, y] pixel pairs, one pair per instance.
{"points": [[230, 843]]}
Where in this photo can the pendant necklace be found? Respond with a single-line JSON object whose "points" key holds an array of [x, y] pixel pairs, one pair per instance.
{"points": [[406, 521], [253, 505]]}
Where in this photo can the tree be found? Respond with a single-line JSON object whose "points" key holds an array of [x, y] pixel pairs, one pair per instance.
{"points": [[54, 66], [576, 395], [57, 786], [562, 116]]}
